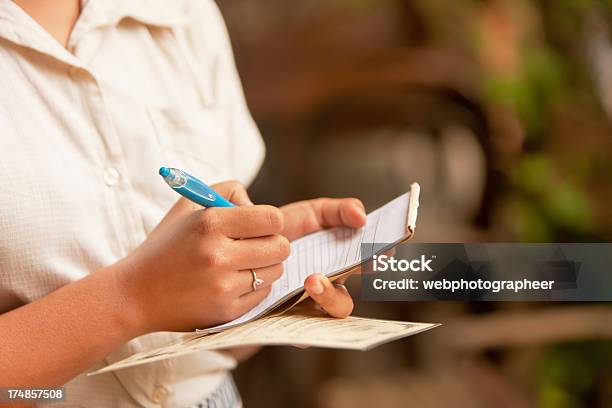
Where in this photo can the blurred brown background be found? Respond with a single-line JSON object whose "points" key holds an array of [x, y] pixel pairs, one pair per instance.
{"points": [[502, 110]]}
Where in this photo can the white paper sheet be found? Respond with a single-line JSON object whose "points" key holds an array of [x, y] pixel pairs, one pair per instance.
{"points": [[297, 327]]}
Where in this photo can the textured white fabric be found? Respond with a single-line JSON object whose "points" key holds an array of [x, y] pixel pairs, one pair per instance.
{"points": [[83, 130]]}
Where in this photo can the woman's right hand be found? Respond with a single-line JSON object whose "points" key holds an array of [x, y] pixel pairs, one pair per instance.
{"points": [[194, 269]]}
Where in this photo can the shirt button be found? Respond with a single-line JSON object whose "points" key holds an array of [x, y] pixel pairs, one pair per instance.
{"points": [[111, 176], [160, 394]]}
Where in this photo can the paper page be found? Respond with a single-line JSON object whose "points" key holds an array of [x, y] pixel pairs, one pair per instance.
{"points": [[332, 251], [297, 327]]}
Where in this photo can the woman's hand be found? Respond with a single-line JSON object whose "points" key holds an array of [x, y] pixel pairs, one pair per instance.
{"points": [[305, 217], [194, 270]]}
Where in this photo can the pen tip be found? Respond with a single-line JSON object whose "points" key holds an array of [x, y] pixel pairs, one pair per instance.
{"points": [[164, 171]]}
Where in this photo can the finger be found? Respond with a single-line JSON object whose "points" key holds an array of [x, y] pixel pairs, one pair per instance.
{"points": [[301, 346], [343, 212], [250, 300], [334, 300], [233, 191], [268, 275], [242, 222], [258, 252]]}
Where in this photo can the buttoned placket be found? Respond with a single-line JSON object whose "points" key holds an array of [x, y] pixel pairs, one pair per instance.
{"points": [[129, 229], [113, 174]]}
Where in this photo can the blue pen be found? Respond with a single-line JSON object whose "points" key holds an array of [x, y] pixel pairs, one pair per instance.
{"points": [[192, 189]]}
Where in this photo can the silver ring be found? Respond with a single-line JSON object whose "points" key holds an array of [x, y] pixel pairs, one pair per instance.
{"points": [[257, 282]]}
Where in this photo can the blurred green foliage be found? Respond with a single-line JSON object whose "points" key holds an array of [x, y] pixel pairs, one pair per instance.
{"points": [[548, 200], [540, 83], [569, 372], [553, 71], [550, 179]]}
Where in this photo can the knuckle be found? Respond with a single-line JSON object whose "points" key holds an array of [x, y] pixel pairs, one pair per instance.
{"points": [[213, 258], [277, 271], [354, 201], [274, 218], [322, 201], [235, 185], [284, 247], [221, 287], [206, 256], [209, 220], [236, 188]]}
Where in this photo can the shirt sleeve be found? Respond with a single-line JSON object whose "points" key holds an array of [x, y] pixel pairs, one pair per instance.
{"points": [[210, 41]]}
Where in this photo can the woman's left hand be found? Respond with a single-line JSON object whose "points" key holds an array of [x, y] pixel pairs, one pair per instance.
{"points": [[305, 217]]}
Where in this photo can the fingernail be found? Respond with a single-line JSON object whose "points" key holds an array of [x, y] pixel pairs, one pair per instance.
{"points": [[317, 287], [326, 282], [362, 213]]}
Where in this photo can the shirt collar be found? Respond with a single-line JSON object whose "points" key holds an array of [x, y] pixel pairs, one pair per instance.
{"points": [[162, 13], [18, 27]]}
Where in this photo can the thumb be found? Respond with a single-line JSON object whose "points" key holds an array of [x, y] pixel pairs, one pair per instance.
{"points": [[335, 300], [233, 191]]}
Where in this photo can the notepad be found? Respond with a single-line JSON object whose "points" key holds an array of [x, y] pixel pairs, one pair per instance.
{"points": [[336, 252]]}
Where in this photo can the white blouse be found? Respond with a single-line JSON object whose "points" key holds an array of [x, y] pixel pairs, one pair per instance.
{"points": [[83, 131]]}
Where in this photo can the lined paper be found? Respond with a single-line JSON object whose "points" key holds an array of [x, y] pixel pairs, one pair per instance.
{"points": [[333, 251]]}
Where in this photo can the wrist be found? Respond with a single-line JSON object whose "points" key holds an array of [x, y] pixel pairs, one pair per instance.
{"points": [[129, 304]]}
